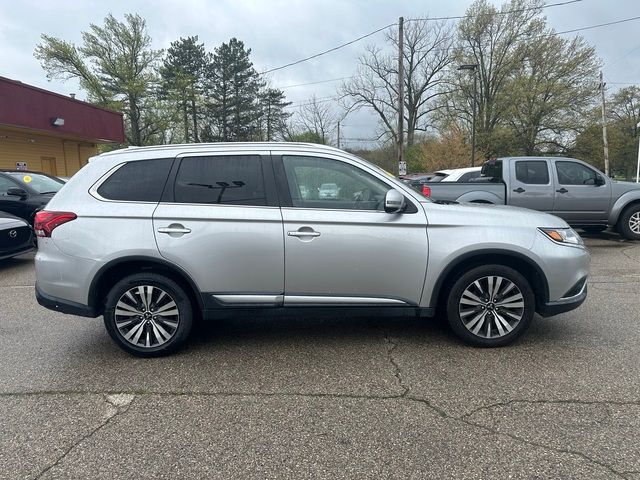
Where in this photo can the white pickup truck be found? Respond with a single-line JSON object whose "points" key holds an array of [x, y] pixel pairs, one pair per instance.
{"points": [[568, 188]]}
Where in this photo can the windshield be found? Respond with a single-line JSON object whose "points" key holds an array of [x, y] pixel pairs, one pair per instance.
{"points": [[38, 182]]}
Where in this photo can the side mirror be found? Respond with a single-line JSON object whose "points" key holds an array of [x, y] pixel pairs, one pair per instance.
{"points": [[17, 192], [599, 181], [394, 202]]}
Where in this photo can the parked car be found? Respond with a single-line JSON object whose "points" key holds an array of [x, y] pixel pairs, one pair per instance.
{"points": [[22, 192], [328, 190], [16, 237], [568, 188], [151, 237]]}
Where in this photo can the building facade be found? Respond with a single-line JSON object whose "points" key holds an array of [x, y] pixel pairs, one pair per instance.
{"points": [[47, 132]]}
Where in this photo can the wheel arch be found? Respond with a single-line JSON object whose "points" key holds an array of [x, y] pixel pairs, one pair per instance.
{"points": [[627, 200], [523, 264], [479, 196], [112, 272]]}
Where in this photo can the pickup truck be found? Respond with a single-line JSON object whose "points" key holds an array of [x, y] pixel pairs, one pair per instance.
{"points": [[568, 188]]}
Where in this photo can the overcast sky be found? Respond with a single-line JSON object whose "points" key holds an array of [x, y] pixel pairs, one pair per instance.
{"points": [[281, 31]]}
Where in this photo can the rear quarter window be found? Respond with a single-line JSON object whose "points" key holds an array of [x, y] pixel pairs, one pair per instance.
{"points": [[139, 181]]}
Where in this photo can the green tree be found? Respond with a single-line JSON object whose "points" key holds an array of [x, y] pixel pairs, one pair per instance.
{"points": [[182, 75], [497, 42], [272, 115], [232, 94], [553, 89], [116, 66]]}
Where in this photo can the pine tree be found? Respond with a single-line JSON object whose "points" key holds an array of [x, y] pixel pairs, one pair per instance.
{"points": [[182, 74], [232, 94], [273, 117]]}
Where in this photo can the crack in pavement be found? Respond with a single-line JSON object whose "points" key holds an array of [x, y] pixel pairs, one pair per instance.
{"points": [[116, 405], [405, 397], [397, 372], [551, 402]]}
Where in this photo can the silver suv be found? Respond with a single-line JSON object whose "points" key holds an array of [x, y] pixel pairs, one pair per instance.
{"points": [[155, 237]]}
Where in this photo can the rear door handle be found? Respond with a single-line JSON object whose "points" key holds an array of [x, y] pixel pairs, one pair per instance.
{"points": [[519, 190], [562, 190], [175, 229]]}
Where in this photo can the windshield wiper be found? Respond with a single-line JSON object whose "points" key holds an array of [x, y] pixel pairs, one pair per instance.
{"points": [[47, 193]]}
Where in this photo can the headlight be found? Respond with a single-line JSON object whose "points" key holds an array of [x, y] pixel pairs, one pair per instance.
{"points": [[563, 235]]}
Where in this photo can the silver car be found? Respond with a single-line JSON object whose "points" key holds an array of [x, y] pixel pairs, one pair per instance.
{"points": [[153, 237]]}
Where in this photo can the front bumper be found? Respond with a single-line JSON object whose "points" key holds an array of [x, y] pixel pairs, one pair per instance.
{"points": [[564, 304], [64, 306]]}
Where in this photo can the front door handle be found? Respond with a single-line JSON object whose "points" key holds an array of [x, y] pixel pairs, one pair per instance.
{"points": [[562, 190], [303, 234], [519, 190], [175, 230]]}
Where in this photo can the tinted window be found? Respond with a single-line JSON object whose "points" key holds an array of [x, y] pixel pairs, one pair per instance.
{"points": [[469, 176], [230, 180], [532, 172], [141, 181], [573, 173], [323, 183]]}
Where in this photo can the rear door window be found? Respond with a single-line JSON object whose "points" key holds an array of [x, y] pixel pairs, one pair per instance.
{"points": [[139, 181], [532, 172], [227, 180]]}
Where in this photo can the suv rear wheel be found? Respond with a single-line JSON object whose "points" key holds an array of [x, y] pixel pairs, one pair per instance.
{"points": [[490, 306], [629, 223], [148, 314]]}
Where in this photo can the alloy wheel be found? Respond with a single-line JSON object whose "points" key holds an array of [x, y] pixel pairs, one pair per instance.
{"points": [[491, 307], [146, 316], [634, 223]]}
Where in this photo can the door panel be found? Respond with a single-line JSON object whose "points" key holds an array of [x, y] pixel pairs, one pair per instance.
{"points": [[578, 199], [531, 185], [357, 254], [343, 245], [229, 249], [219, 222]]}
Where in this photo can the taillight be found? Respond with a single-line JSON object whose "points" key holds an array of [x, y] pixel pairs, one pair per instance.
{"points": [[426, 191], [46, 222]]}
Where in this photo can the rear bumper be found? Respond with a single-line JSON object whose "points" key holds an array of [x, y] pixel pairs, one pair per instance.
{"points": [[565, 304], [64, 306]]}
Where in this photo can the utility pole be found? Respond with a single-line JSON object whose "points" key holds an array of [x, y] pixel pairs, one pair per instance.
{"points": [[402, 166], [604, 127], [338, 133], [474, 69]]}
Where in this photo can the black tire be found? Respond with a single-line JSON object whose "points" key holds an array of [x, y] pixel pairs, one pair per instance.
{"points": [[183, 318], [482, 274], [630, 214], [594, 228]]}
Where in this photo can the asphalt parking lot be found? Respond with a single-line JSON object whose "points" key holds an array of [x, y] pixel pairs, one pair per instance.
{"points": [[327, 397]]}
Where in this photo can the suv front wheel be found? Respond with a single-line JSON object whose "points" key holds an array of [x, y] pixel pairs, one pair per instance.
{"points": [[490, 306], [148, 314]]}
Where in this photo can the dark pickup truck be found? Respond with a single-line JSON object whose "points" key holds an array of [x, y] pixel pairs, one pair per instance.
{"points": [[568, 188]]}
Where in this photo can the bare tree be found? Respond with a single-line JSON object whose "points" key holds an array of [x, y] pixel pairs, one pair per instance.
{"points": [[427, 46], [316, 121]]}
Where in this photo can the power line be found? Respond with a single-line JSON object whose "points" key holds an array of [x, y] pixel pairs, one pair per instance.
{"points": [[315, 83], [506, 12], [615, 22], [362, 37], [328, 51]]}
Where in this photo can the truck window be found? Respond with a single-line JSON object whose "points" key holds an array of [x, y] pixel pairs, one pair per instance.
{"points": [[573, 173], [532, 172]]}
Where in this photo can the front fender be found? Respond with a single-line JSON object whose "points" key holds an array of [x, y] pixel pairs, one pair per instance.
{"points": [[620, 204]]}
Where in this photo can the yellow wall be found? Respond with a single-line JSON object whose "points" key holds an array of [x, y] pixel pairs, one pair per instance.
{"points": [[39, 151]]}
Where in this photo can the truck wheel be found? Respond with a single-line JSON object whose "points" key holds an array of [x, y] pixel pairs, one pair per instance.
{"points": [[490, 306], [148, 315], [629, 223]]}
